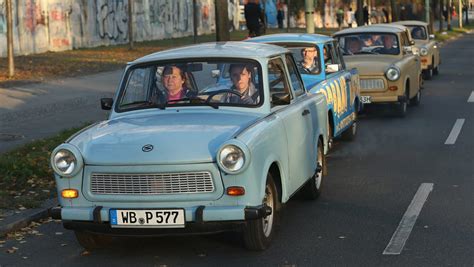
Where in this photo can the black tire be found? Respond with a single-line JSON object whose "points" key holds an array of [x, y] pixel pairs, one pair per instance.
{"points": [[401, 107], [259, 233], [350, 133], [415, 101], [428, 73], [91, 240], [312, 188], [436, 70], [330, 131]]}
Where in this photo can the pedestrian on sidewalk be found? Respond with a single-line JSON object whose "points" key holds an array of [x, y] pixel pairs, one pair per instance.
{"points": [[350, 17], [340, 17], [254, 18], [280, 14]]}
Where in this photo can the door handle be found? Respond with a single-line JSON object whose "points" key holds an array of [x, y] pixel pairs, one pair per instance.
{"points": [[305, 112]]}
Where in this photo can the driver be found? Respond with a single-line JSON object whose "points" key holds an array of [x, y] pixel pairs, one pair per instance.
{"points": [[241, 77], [388, 45], [354, 46], [309, 64]]}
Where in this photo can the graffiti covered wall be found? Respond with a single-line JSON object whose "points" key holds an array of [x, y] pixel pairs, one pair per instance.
{"points": [[58, 25]]}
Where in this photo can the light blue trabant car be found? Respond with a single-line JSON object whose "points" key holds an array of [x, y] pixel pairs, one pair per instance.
{"points": [[326, 73], [177, 155]]}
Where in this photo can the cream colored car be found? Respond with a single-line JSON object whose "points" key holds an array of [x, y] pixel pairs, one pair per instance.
{"points": [[390, 71], [428, 47]]}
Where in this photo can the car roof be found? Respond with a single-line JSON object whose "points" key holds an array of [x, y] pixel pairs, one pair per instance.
{"points": [[411, 22], [216, 50], [292, 38], [390, 28]]}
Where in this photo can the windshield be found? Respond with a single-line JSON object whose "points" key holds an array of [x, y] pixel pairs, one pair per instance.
{"points": [[369, 43], [418, 32], [192, 83]]}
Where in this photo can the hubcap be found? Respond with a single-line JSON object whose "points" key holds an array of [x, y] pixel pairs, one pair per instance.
{"points": [[268, 221]]}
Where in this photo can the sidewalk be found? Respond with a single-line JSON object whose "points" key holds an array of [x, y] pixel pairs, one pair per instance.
{"points": [[40, 110]]}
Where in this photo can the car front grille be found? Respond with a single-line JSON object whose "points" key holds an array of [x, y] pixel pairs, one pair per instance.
{"points": [[371, 84], [152, 183]]}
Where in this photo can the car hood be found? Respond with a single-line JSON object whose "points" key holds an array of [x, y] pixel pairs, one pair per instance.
{"points": [[177, 138], [370, 64]]}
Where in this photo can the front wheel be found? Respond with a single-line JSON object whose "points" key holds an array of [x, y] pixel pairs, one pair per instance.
{"points": [[428, 73], [401, 107], [436, 70], [350, 133], [259, 233], [415, 101], [312, 188]]}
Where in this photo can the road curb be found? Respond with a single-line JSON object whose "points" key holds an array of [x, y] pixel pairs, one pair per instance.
{"points": [[23, 219]]}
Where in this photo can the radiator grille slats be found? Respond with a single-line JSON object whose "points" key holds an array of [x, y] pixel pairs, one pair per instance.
{"points": [[371, 84], [151, 184]]}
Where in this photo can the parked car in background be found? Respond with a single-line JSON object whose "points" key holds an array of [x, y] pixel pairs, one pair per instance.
{"points": [[210, 160], [390, 72], [426, 44], [328, 75]]}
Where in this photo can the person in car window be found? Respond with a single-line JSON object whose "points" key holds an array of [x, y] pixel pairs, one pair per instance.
{"points": [[241, 77], [354, 45], [388, 45], [417, 33], [174, 82], [309, 64]]}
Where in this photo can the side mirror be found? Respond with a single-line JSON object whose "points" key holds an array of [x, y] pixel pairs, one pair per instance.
{"points": [[279, 99], [432, 36], [408, 49], [215, 73], [106, 103], [331, 68]]}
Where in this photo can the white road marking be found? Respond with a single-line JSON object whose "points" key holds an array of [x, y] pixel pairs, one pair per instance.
{"points": [[471, 98], [451, 140], [401, 235]]}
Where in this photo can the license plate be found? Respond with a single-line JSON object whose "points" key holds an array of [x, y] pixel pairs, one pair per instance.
{"points": [[365, 99], [163, 218]]}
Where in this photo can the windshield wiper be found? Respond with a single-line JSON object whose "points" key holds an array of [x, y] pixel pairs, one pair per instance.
{"points": [[195, 100]]}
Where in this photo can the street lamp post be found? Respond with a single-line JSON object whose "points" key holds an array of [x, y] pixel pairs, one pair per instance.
{"points": [[11, 64], [309, 16]]}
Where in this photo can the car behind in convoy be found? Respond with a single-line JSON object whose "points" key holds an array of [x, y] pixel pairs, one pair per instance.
{"points": [[330, 77], [198, 163], [427, 46], [389, 69]]}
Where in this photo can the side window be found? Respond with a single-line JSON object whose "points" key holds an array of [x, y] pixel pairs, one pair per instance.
{"points": [[327, 51], [337, 56], [276, 77], [295, 80], [405, 39], [137, 86]]}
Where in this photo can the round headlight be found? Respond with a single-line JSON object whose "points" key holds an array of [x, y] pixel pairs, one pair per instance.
{"points": [[231, 158], [423, 51], [64, 162], [392, 74]]}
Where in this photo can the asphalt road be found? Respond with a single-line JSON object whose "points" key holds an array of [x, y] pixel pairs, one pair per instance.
{"points": [[370, 186]]}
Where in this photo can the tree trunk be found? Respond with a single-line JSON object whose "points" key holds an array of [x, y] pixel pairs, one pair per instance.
{"points": [[11, 64], [222, 20]]}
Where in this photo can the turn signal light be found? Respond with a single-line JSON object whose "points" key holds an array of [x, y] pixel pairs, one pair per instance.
{"points": [[235, 191], [393, 88], [69, 193], [424, 60]]}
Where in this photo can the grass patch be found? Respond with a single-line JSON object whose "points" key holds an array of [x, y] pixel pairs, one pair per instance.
{"points": [[26, 178]]}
